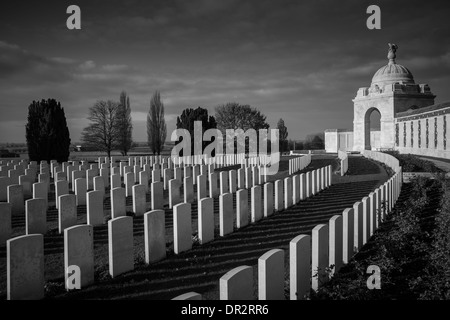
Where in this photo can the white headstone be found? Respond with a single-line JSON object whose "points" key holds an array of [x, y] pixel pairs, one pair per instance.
{"points": [[300, 267], [94, 206], [237, 284], [241, 178], [155, 235], [206, 220], [157, 200], [226, 213], [366, 220], [279, 197], [335, 243], [79, 251], [268, 199], [233, 181], [16, 199], [348, 218], [182, 227], [116, 181], [241, 208], [188, 187], [143, 180], [67, 211], [139, 200], [319, 255], [189, 296], [5, 222], [256, 204], [120, 244], [201, 187], [213, 191], [129, 183], [25, 267], [174, 192], [271, 275], [118, 203], [224, 185], [295, 189], [36, 216], [80, 191], [99, 184], [358, 225], [4, 183]]}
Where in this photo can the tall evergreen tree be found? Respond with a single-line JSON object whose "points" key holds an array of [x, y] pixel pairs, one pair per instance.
{"points": [[156, 124], [125, 125], [47, 133]]}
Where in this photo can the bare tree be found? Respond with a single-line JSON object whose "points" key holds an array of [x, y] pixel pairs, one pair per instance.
{"points": [[102, 133], [156, 124], [125, 125]]}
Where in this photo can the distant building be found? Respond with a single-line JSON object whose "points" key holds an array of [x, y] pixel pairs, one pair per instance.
{"points": [[410, 121]]}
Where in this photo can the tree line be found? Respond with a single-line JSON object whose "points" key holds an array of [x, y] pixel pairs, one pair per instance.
{"points": [[110, 126]]}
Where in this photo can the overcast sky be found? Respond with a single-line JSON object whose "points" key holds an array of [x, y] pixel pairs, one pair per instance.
{"points": [[302, 61]]}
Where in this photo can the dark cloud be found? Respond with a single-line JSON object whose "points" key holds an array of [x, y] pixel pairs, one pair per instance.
{"points": [[299, 60]]}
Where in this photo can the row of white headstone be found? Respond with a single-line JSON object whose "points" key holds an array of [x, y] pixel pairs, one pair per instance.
{"points": [[299, 163], [74, 175], [330, 246], [343, 157], [78, 240]]}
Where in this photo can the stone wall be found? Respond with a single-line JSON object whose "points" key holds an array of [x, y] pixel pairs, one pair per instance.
{"points": [[424, 133]]}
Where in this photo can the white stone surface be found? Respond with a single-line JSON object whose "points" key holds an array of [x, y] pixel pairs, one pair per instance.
{"points": [[174, 192], [271, 275], [94, 207], [300, 267], [279, 195], [118, 203], [5, 222], [182, 227], [348, 218], [319, 255], [226, 214], [189, 296], [287, 192], [25, 267], [268, 199], [79, 251], [241, 208], [188, 189], [335, 243], [237, 284], [157, 200], [67, 211], [155, 235], [256, 203], [16, 199], [201, 187], [213, 190], [358, 225], [129, 183], [36, 216], [80, 191], [139, 200], [120, 245], [206, 220]]}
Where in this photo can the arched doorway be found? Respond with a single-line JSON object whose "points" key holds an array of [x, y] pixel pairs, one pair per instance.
{"points": [[372, 134]]}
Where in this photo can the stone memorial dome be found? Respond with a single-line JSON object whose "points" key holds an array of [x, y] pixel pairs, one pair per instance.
{"points": [[392, 72]]}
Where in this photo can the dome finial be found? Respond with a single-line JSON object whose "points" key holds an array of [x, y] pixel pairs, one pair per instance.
{"points": [[391, 54]]}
